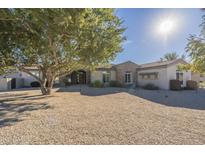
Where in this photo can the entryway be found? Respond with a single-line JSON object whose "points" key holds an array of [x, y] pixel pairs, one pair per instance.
{"points": [[13, 83], [77, 77]]}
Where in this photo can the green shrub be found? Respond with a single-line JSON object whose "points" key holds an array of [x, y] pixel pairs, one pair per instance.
{"points": [[191, 85], [150, 86], [115, 84], [97, 84], [175, 85]]}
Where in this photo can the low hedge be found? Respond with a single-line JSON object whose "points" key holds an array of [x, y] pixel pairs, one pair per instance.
{"points": [[97, 84], [115, 84], [175, 85]]}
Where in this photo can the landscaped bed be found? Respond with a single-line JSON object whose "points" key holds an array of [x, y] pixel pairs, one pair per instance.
{"points": [[83, 115]]}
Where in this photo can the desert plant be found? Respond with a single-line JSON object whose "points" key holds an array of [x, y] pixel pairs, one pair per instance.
{"points": [[97, 84], [115, 83], [150, 86], [175, 85], [191, 85]]}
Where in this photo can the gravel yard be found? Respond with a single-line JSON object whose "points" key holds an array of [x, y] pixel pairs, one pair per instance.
{"points": [[102, 116]]}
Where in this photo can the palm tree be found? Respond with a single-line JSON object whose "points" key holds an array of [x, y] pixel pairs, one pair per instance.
{"points": [[169, 56]]}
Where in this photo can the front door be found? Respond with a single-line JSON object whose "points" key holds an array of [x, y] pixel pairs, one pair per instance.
{"points": [[13, 83]]}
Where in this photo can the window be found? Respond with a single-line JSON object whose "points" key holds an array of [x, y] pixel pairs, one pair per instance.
{"points": [[153, 76], [149, 76], [179, 76], [201, 75], [106, 77], [128, 77]]}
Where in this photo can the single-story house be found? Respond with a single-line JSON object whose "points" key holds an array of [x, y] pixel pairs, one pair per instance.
{"points": [[158, 73], [128, 73], [17, 79]]}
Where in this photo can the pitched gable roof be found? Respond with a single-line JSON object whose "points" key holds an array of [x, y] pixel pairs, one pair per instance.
{"points": [[125, 63], [162, 63]]}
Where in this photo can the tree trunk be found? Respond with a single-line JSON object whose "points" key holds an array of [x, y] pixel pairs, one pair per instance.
{"points": [[43, 87], [43, 90], [46, 86], [50, 86]]}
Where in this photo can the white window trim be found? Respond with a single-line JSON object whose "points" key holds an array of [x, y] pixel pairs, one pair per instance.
{"points": [[131, 81], [109, 76], [148, 74]]}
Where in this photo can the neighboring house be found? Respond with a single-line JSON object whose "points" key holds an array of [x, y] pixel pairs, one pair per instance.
{"points": [[5, 83], [18, 79], [128, 73]]}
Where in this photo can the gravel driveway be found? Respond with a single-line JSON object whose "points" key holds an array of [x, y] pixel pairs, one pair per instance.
{"points": [[102, 116]]}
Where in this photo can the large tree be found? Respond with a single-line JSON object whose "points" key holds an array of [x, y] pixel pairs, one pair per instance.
{"points": [[58, 41], [196, 50]]}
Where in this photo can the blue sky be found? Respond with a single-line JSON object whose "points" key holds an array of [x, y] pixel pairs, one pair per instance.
{"points": [[144, 41]]}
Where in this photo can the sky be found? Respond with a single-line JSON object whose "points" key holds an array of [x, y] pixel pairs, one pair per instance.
{"points": [[146, 40]]}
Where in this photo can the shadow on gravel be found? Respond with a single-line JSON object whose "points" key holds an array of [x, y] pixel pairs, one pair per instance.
{"points": [[190, 99], [12, 112], [89, 91]]}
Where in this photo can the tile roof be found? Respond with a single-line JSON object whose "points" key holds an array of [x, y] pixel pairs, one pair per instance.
{"points": [[161, 63]]}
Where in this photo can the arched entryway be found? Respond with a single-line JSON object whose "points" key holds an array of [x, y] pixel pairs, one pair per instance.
{"points": [[77, 77]]}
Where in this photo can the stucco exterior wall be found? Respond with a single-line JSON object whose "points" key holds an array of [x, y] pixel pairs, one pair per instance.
{"points": [[121, 69], [171, 73], [196, 77], [27, 79], [98, 75], [161, 82], [164, 76], [5, 83], [113, 75]]}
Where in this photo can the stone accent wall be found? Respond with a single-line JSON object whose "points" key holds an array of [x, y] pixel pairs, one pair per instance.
{"points": [[121, 69]]}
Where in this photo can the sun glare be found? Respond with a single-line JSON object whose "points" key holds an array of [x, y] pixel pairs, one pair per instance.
{"points": [[166, 26]]}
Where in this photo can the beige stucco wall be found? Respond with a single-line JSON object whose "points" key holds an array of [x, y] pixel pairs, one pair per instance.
{"points": [[161, 82], [121, 69], [171, 74], [164, 76], [195, 76], [98, 75]]}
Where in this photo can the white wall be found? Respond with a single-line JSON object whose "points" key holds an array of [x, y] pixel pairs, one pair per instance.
{"points": [[171, 74], [27, 79], [161, 82], [5, 83], [165, 75]]}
